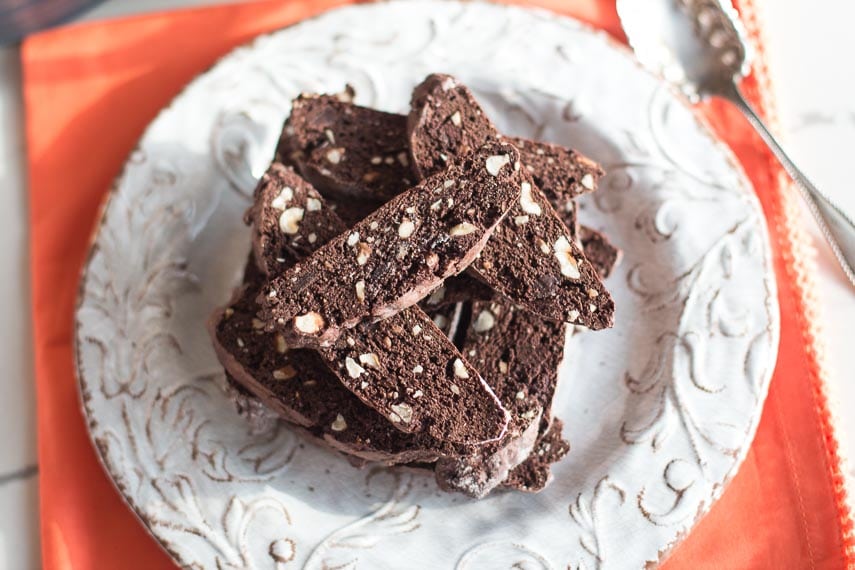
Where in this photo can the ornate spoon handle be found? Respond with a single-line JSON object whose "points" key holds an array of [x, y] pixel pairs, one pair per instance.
{"points": [[836, 226]]}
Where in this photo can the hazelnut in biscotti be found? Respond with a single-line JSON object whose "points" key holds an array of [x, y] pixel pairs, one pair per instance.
{"points": [[399, 253], [532, 258], [346, 150]]}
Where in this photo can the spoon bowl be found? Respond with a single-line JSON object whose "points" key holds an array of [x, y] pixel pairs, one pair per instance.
{"points": [[696, 44], [700, 46]]}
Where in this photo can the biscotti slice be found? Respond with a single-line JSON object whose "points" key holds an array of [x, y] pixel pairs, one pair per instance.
{"points": [[533, 474], [599, 250], [406, 368], [298, 385], [445, 123], [534, 261], [444, 107], [532, 258], [405, 379], [478, 472], [346, 150], [398, 254], [562, 173], [287, 220], [518, 353]]}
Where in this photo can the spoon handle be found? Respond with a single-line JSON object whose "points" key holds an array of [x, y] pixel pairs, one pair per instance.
{"points": [[838, 229]]}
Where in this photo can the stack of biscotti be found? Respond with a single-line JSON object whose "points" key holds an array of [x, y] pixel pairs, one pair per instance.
{"points": [[410, 286]]}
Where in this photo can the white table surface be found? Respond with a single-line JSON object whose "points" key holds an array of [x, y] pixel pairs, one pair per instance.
{"points": [[815, 84]]}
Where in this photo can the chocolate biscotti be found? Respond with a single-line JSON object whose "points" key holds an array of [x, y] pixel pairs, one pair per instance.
{"points": [[535, 261], [518, 353], [398, 254], [364, 334], [402, 366], [562, 173], [375, 165], [406, 368], [298, 385], [532, 258], [535, 341], [445, 123], [287, 220], [346, 150]]}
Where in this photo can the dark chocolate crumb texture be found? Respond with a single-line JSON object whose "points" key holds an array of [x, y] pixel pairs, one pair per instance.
{"points": [[287, 219], [518, 354], [398, 254], [533, 474], [363, 333], [299, 386], [373, 162], [346, 150], [532, 258], [403, 367], [562, 173]]}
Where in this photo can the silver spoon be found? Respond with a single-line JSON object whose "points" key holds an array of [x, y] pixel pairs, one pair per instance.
{"points": [[698, 45]]}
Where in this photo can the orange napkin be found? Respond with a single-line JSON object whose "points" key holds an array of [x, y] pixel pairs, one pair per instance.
{"points": [[91, 89]]}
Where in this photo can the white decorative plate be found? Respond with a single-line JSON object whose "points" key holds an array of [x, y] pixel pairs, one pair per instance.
{"points": [[660, 410]]}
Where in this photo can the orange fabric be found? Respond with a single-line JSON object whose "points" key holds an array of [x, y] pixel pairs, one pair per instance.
{"points": [[91, 89]]}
